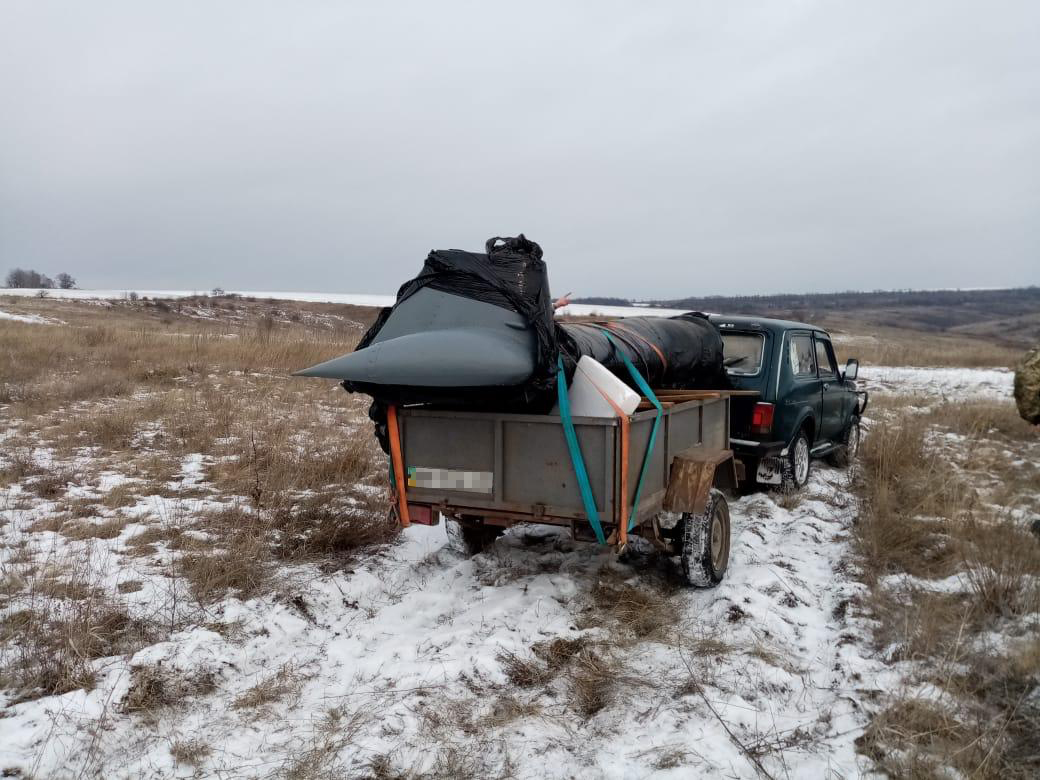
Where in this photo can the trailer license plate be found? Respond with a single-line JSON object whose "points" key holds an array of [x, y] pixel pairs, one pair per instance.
{"points": [[769, 471], [450, 479]]}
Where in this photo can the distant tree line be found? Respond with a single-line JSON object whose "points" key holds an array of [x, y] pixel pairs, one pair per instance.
{"points": [[19, 277], [603, 300], [1015, 300]]}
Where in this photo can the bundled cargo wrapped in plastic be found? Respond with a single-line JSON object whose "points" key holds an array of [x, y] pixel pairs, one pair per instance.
{"points": [[476, 330]]}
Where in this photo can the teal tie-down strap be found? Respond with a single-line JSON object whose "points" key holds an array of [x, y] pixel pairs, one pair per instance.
{"points": [[642, 385], [575, 449]]}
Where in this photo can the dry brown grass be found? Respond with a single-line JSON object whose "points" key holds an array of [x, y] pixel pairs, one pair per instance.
{"points": [[19, 464], [524, 672], [911, 496], [52, 523], [319, 758], [147, 395], [985, 418], [894, 347], [925, 734], [243, 571], [143, 543], [134, 350], [634, 612], [56, 644], [51, 483], [286, 681], [592, 670], [248, 543], [136, 395], [1001, 561], [153, 687], [106, 529], [192, 752], [922, 517], [594, 681]]}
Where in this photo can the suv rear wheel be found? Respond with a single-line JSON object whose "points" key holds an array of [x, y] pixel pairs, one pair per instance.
{"points": [[796, 464]]}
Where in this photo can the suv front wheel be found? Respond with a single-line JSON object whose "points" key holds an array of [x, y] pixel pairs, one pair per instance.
{"points": [[796, 464], [845, 453]]}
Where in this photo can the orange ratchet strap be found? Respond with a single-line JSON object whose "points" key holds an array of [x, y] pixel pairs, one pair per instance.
{"points": [[622, 526], [398, 463], [616, 326]]}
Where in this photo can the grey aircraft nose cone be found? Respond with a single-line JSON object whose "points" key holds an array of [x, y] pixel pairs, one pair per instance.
{"points": [[456, 357], [438, 339]]}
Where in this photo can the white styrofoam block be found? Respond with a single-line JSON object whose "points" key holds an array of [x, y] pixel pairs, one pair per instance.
{"points": [[591, 382]]}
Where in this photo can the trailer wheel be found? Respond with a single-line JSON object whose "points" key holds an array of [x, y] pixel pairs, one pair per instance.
{"points": [[469, 536], [704, 541], [845, 454]]}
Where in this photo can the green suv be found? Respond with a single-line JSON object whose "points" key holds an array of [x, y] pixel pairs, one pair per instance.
{"points": [[805, 408]]}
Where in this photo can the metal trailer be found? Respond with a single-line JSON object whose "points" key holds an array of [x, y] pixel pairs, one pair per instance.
{"points": [[484, 471]]}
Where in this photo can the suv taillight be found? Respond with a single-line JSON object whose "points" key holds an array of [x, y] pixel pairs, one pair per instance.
{"points": [[762, 419]]}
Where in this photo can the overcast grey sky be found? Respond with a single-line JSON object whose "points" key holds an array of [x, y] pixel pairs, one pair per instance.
{"points": [[653, 149]]}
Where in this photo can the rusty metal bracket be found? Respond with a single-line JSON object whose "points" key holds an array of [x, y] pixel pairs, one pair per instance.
{"points": [[691, 478]]}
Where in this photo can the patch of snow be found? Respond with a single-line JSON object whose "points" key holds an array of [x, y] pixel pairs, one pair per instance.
{"points": [[355, 299], [954, 384], [192, 469], [595, 310], [32, 319], [955, 583]]}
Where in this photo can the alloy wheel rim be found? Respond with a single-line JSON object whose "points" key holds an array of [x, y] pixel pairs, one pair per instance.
{"points": [[801, 461]]}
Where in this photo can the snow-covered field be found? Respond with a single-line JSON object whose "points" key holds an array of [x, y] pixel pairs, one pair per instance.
{"points": [[408, 648], [953, 384], [541, 657], [354, 299]]}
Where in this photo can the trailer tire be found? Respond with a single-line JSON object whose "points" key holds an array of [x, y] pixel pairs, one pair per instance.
{"points": [[469, 536], [845, 454], [704, 543]]}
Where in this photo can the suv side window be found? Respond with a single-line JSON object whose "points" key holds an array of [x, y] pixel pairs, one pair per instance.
{"points": [[803, 360], [825, 358]]}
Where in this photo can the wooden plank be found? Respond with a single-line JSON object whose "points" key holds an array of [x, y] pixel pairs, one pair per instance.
{"points": [[646, 405], [691, 396], [668, 392]]}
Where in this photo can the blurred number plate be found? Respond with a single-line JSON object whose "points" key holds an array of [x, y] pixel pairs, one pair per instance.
{"points": [[769, 471], [450, 479]]}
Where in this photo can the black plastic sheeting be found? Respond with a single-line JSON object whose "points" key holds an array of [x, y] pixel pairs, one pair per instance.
{"points": [[677, 352], [511, 275]]}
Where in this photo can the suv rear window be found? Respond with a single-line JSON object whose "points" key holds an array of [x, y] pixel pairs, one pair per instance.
{"points": [[742, 353]]}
